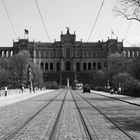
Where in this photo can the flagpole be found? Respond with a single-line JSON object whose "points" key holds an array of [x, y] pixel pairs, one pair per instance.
{"points": [[24, 33]]}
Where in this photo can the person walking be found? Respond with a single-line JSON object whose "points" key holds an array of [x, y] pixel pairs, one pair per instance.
{"points": [[6, 90]]}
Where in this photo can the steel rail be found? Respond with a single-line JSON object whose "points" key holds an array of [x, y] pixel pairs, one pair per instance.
{"points": [[118, 99], [52, 134], [122, 130], [13, 133], [82, 119]]}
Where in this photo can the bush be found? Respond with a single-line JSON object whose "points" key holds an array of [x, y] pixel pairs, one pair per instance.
{"points": [[130, 85]]}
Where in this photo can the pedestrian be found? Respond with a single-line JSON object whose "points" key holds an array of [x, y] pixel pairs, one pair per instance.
{"points": [[22, 88], [6, 91], [112, 91], [115, 90], [119, 90]]}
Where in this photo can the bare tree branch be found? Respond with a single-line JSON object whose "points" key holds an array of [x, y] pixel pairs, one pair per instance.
{"points": [[130, 9]]}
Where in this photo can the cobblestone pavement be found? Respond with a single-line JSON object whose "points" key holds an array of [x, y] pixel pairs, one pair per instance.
{"points": [[125, 115], [12, 116], [99, 126], [70, 126], [38, 128]]}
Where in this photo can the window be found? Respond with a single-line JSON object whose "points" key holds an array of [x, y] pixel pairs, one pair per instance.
{"points": [[89, 66], [68, 67], [99, 66], [46, 66], [89, 54], [37, 53], [51, 66], [46, 54], [41, 65], [85, 54], [57, 66], [78, 66], [94, 66], [51, 54], [42, 54], [84, 66]]}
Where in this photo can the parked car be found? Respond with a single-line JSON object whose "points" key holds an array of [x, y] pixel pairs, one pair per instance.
{"points": [[86, 88]]}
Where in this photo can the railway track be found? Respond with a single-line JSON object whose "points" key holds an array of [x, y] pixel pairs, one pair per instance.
{"points": [[87, 131], [16, 131], [84, 115], [138, 105]]}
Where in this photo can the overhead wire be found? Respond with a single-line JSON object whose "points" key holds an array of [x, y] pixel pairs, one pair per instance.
{"points": [[9, 18], [127, 29], [96, 20], [127, 33], [42, 20]]}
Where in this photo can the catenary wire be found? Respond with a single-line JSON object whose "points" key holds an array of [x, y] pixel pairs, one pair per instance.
{"points": [[42, 20], [96, 20], [9, 18], [127, 29]]}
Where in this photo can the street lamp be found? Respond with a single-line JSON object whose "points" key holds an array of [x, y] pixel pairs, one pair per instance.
{"points": [[29, 78]]}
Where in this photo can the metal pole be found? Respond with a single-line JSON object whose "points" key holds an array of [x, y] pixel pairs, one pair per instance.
{"points": [[108, 67], [60, 66]]}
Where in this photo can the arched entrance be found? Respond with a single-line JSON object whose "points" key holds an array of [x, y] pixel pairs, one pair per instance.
{"points": [[68, 67]]}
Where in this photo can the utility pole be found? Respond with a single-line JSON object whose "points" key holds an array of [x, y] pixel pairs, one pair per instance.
{"points": [[108, 67], [60, 74]]}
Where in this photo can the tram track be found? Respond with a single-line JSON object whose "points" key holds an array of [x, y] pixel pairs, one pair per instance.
{"points": [[17, 130], [89, 135], [53, 130], [121, 100], [105, 116]]}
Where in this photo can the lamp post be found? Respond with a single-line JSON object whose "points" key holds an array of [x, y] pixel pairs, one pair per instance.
{"points": [[29, 78], [108, 66]]}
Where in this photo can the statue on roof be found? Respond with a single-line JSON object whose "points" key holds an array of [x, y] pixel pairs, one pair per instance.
{"points": [[68, 28]]}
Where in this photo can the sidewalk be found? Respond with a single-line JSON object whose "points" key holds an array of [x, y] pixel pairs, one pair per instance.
{"points": [[13, 98], [134, 100]]}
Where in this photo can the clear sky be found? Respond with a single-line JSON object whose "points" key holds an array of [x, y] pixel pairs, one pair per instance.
{"points": [[79, 15]]}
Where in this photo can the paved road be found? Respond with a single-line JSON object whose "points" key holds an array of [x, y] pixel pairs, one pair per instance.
{"points": [[33, 119]]}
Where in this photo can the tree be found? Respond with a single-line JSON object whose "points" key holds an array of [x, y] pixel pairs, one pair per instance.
{"points": [[18, 68], [130, 9], [135, 70], [116, 64], [37, 75], [130, 85], [5, 78], [99, 79]]}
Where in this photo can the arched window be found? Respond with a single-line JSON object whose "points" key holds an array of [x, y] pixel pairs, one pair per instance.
{"points": [[99, 66], [78, 66], [84, 66], [46, 66], [89, 66], [68, 68], [57, 66], [94, 66], [42, 65], [51, 66]]}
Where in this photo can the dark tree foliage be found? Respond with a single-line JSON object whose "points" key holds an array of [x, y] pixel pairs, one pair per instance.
{"points": [[14, 71], [135, 70], [130, 85]]}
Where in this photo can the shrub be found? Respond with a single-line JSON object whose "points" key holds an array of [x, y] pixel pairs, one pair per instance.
{"points": [[130, 85]]}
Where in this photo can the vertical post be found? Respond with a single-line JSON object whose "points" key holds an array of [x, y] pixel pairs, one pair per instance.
{"points": [[60, 65], [108, 66], [75, 74], [29, 79]]}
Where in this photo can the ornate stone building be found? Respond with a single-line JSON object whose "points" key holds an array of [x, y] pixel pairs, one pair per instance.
{"points": [[68, 58]]}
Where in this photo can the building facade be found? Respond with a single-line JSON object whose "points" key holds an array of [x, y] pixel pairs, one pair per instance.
{"points": [[68, 58]]}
